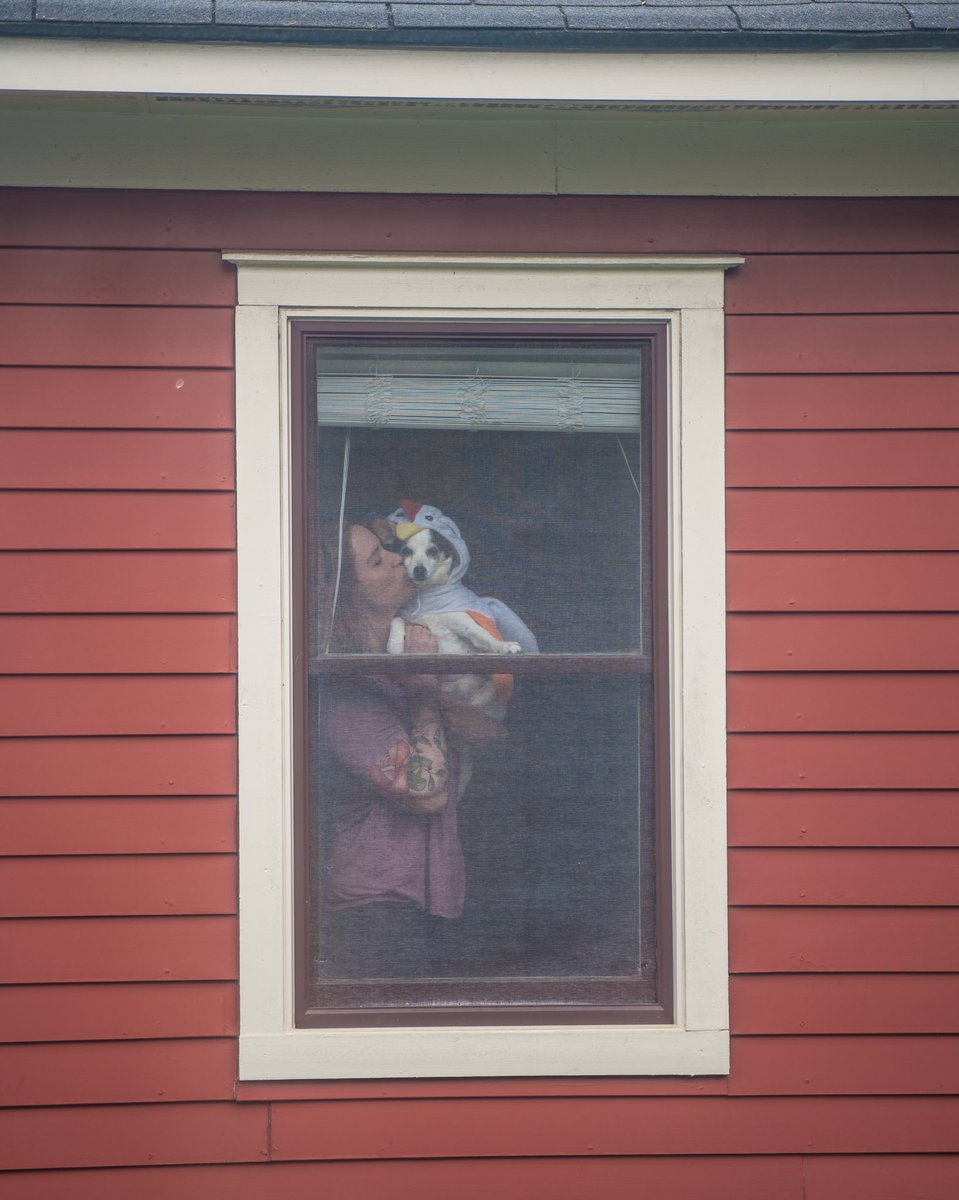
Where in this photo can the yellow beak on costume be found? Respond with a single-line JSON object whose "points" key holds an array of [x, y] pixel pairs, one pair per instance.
{"points": [[405, 531]]}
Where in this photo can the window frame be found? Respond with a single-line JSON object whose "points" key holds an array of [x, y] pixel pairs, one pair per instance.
{"points": [[653, 672], [684, 295]]}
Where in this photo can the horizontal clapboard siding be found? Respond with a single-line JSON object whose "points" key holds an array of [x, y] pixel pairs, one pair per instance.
{"points": [[58, 335], [850, 1004], [195, 460], [117, 885], [105, 582], [118, 1004], [117, 949], [118, 825], [843, 652], [770, 941], [118, 766], [71, 520], [67, 1012], [845, 283], [142, 1072], [668, 1178], [866, 401], [843, 519], [843, 641], [843, 818], [95, 277], [780, 702], [65, 705], [196, 220], [845, 343], [116, 398], [118, 644]]}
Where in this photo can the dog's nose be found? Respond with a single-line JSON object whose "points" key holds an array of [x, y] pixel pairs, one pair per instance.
{"points": [[419, 573]]}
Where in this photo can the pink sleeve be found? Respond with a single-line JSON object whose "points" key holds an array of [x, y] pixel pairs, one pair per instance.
{"points": [[361, 728]]}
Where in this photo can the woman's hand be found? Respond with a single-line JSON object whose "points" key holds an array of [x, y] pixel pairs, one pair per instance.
{"points": [[390, 773], [415, 771], [420, 640]]}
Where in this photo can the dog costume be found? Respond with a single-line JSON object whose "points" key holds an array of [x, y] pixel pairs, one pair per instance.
{"points": [[454, 596]]}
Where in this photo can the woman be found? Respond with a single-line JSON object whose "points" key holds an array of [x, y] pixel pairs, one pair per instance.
{"points": [[394, 870]]}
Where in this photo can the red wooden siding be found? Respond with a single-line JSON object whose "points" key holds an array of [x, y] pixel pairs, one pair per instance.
{"points": [[124, 1135], [843, 519], [651, 224], [830, 1004], [118, 766], [770, 940], [114, 398], [843, 818], [117, 521], [845, 283], [132, 1072], [118, 644], [58, 705], [67, 1012], [117, 949], [118, 935], [197, 461], [95, 582], [867, 401], [853, 641], [117, 885], [115, 336], [90, 277], [118, 825]]}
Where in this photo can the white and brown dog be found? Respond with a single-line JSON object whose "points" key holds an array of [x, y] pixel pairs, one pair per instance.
{"points": [[436, 559]]}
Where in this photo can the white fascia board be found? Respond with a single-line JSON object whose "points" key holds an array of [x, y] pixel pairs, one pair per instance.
{"points": [[52, 66]]}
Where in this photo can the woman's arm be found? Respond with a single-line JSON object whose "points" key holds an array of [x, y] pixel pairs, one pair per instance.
{"points": [[415, 772]]}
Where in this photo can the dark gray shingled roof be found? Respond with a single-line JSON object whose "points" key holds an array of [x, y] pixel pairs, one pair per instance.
{"points": [[518, 24]]}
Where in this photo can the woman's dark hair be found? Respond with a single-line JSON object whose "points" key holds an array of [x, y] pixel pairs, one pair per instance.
{"points": [[337, 630]]}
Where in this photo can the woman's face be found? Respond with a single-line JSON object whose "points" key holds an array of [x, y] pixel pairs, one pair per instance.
{"points": [[381, 578]]}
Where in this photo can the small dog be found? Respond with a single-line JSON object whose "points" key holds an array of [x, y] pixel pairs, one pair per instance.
{"points": [[436, 559], [430, 560]]}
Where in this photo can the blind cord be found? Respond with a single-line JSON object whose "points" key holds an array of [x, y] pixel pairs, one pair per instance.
{"points": [[628, 467], [339, 539]]}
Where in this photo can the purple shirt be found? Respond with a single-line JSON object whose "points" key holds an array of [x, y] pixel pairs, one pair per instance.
{"points": [[380, 852]]}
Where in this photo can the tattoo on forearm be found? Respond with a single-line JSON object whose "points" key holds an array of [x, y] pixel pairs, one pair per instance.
{"points": [[426, 770], [416, 765]]}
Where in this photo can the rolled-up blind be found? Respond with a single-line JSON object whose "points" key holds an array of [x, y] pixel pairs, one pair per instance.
{"points": [[562, 386]]}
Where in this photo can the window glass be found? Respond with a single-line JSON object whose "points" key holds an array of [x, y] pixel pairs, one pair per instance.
{"points": [[508, 479]]}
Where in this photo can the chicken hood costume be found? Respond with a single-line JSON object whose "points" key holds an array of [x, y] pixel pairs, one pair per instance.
{"points": [[454, 596]]}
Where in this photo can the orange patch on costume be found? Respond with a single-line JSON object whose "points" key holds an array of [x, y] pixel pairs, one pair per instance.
{"points": [[502, 684]]}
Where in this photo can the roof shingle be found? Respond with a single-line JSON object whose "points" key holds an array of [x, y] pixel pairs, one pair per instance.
{"points": [[550, 24]]}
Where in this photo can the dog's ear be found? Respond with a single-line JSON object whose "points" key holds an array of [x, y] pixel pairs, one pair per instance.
{"points": [[446, 546], [386, 532]]}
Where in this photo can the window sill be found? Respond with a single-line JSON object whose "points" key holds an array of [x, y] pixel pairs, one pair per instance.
{"points": [[481, 1051]]}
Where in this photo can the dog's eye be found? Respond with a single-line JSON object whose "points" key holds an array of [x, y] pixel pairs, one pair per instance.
{"points": [[432, 552], [406, 552]]}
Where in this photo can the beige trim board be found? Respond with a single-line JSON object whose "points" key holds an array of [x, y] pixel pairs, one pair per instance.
{"points": [[687, 295], [82, 66], [699, 154]]}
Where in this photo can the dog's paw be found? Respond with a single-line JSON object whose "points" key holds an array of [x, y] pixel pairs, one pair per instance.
{"points": [[512, 648]]}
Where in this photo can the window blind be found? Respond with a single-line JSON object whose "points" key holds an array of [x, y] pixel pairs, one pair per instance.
{"points": [[556, 386]]}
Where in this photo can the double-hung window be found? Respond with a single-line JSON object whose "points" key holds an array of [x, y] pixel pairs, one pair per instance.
{"points": [[522, 460]]}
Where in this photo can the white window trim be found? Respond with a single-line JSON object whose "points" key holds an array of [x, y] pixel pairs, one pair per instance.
{"points": [[686, 294]]}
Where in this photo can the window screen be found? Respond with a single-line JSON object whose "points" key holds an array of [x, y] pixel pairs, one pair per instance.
{"points": [[507, 481]]}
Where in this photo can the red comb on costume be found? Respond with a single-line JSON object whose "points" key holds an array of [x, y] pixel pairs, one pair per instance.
{"points": [[411, 508]]}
